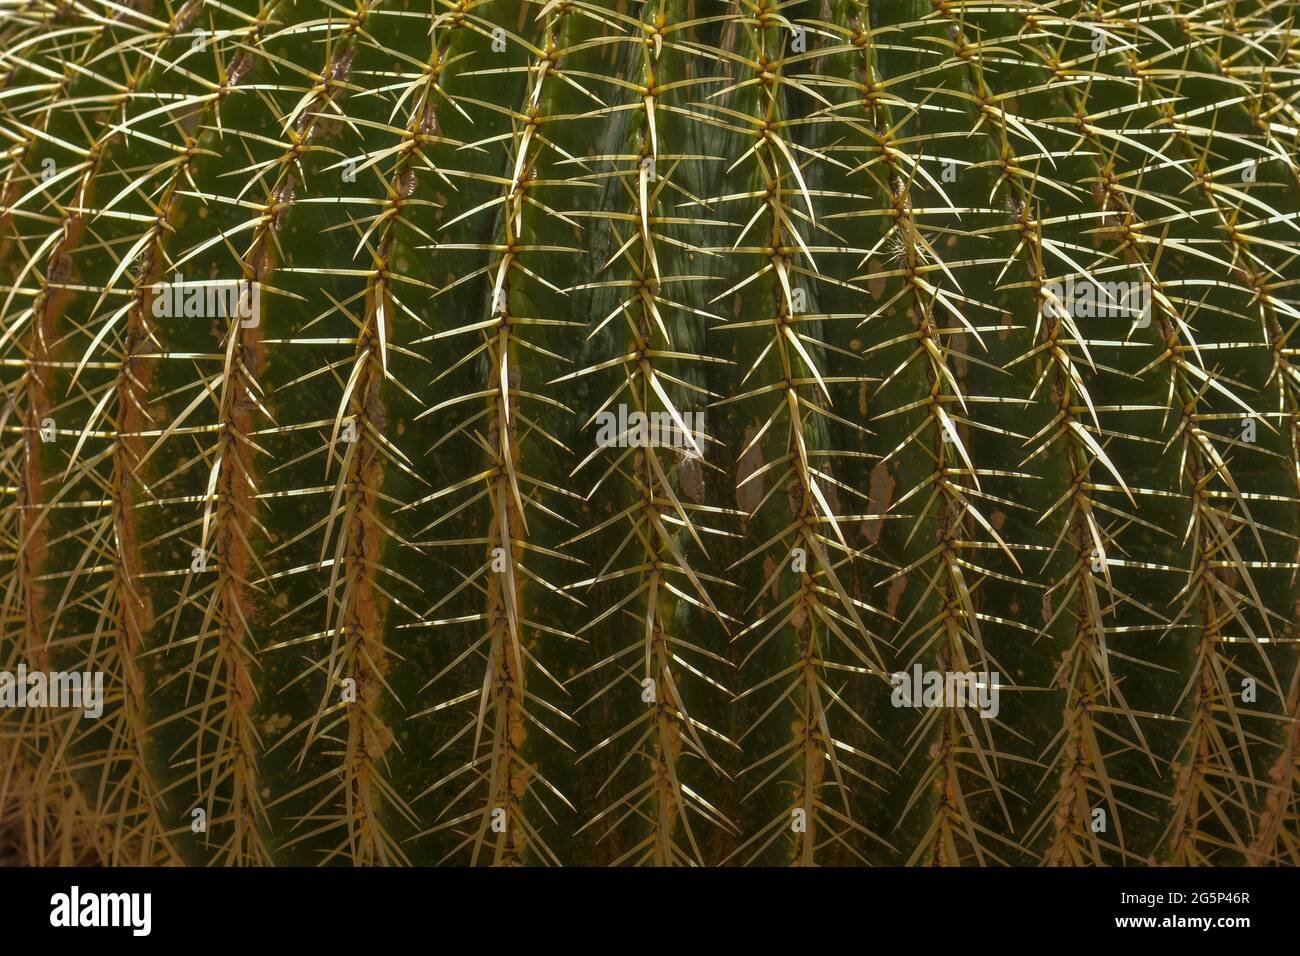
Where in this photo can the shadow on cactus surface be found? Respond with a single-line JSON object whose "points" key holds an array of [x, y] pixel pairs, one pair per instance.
{"points": [[706, 432]]}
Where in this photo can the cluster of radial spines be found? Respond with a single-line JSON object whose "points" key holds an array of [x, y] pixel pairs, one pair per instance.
{"points": [[659, 529], [816, 632], [1216, 779], [1075, 776], [1082, 519], [217, 442], [945, 498], [498, 799], [1235, 546], [349, 552], [209, 449]]}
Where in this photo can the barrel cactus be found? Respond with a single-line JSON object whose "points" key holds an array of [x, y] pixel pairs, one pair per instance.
{"points": [[669, 432]]}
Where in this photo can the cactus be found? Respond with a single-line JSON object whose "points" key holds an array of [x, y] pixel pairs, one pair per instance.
{"points": [[664, 432]]}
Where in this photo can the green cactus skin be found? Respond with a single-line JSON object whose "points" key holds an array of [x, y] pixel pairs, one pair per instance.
{"points": [[368, 581]]}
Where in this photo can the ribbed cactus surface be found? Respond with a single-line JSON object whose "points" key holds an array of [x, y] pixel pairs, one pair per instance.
{"points": [[650, 432]]}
